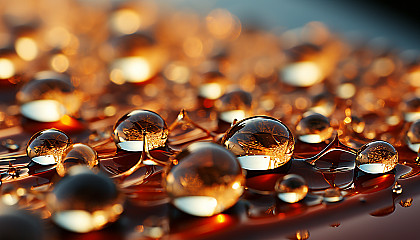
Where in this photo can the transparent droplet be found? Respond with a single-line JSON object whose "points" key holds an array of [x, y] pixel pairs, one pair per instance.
{"points": [[260, 142], [314, 128], [377, 157], [204, 179], [234, 105], [20, 224], [413, 136], [213, 86], [292, 188], [332, 195], [411, 108], [83, 201], [155, 227], [10, 144], [48, 97], [77, 154], [406, 202], [47, 146], [397, 188], [129, 130]]}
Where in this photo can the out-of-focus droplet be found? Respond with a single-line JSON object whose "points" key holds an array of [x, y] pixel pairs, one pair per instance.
{"points": [[314, 128], [10, 144], [83, 201], [177, 72], [204, 179], [129, 130], [332, 195], [234, 105], [346, 90], [413, 136], [291, 188], [48, 97], [26, 48], [301, 74], [377, 157], [47, 146], [260, 142], [18, 224], [155, 227], [125, 21], [213, 86], [411, 109], [397, 188], [9, 195], [222, 24], [7, 68], [77, 154]]}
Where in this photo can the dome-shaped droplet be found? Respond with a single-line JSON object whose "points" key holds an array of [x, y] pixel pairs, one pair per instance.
{"points": [[18, 224], [234, 105], [129, 130], [83, 201], [314, 128], [377, 157], [48, 97], [411, 109], [260, 142], [291, 188], [332, 195], [413, 136], [47, 146], [204, 179], [77, 154]]}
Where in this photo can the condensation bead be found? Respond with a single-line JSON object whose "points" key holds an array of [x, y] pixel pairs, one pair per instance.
{"points": [[129, 129], [234, 105], [48, 97], [260, 142], [204, 179], [78, 154], [83, 201], [291, 188], [413, 136], [314, 128], [377, 157], [47, 146]]}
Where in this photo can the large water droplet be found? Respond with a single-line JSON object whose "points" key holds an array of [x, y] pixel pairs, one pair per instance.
{"points": [[204, 179], [377, 157], [47, 146], [260, 142], [129, 131], [83, 201]]}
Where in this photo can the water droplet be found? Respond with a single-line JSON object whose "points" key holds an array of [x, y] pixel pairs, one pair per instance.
{"points": [[300, 235], [83, 201], [129, 129], [377, 157], [260, 142], [292, 188], [406, 203], [77, 154], [413, 136], [20, 224], [48, 97], [47, 146], [155, 227], [206, 180], [411, 108], [302, 74], [11, 145], [234, 105], [332, 195], [397, 188], [314, 128]]}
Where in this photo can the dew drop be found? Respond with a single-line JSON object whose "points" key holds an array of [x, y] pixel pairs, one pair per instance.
{"points": [[47, 146], [206, 180], [234, 105], [397, 188], [332, 195], [77, 154], [413, 136], [129, 130], [292, 188], [314, 128], [377, 157], [260, 142]]}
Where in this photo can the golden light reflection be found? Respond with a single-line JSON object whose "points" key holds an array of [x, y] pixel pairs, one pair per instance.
{"points": [[221, 218], [383, 67], [177, 72], [59, 63], [222, 24], [346, 90], [57, 37], [7, 69], [130, 69], [125, 21], [26, 48]]}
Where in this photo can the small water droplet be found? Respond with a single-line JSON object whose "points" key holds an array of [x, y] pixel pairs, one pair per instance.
{"points": [[207, 179], [234, 105], [413, 136], [406, 202], [260, 142], [314, 128], [377, 157], [292, 188], [332, 195], [10, 144], [397, 188], [77, 154]]}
